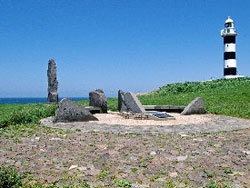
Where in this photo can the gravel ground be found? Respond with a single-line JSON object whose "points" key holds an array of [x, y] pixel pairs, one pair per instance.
{"points": [[114, 123], [60, 156]]}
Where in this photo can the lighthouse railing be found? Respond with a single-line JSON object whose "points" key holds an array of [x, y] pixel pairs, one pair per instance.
{"points": [[228, 31]]}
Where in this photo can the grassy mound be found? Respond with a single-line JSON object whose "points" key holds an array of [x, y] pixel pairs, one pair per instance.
{"points": [[228, 97], [11, 114]]}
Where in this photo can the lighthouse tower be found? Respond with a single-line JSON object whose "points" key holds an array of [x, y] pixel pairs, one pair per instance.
{"points": [[229, 35]]}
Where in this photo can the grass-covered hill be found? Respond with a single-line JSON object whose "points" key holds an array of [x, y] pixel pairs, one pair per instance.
{"points": [[224, 96]]}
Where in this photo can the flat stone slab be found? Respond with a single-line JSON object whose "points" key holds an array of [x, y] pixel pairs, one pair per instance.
{"points": [[217, 124], [149, 115], [164, 108]]}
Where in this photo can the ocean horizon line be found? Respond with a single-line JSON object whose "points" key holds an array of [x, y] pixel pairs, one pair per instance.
{"points": [[32, 100], [37, 97]]}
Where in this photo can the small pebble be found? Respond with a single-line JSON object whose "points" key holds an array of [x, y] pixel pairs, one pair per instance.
{"points": [[82, 168], [246, 152], [184, 135], [152, 153], [181, 158], [73, 167], [55, 139], [197, 139], [173, 174]]}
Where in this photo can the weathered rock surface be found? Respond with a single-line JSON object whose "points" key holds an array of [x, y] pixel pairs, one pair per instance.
{"points": [[52, 82], [97, 98], [128, 102], [69, 111], [121, 106], [195, 107]]}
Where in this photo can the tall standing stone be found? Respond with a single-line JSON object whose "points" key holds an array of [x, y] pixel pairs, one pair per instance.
{"points": [[52, 82]]}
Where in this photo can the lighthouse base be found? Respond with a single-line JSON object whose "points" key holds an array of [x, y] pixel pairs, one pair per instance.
{"points": [[233, 76]]}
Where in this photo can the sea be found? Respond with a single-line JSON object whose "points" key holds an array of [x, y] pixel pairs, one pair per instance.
{"points": [[30, 100]]}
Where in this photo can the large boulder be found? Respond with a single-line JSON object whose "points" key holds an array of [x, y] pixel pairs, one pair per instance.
{"points": [[69, 111], [52, 82], [128, 102], [97, 98], [195, 107]]}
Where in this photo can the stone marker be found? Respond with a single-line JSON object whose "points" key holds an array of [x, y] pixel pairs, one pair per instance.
{"points": [[97, 98], [128, 102], [69, 111], [195, 107], [52, 82]]}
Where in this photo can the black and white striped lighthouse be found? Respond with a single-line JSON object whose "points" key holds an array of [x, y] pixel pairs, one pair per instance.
{"points": [[229, 34]]}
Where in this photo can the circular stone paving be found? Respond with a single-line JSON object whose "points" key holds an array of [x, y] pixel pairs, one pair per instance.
{"points": [[114, 123]]}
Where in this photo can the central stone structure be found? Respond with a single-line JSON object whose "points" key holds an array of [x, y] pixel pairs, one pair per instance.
{"points": [[52, 82]]}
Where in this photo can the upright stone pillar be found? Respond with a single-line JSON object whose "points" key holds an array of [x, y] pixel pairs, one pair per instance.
{"points": [[52, 82]]}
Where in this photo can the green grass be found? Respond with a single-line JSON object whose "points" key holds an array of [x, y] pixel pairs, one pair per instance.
{"points": [[24, 114], [11, 178], [18, 115], [124, 184], [228, 97]]}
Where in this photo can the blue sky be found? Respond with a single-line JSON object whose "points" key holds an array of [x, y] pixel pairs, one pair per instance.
{"points": [[133, 45]]}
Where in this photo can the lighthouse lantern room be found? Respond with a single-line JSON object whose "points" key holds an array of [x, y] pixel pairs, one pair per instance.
{"points": [[229, 34]]}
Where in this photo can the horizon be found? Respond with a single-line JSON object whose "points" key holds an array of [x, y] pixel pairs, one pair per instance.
{"points": [[86, 97], [130, 45]]}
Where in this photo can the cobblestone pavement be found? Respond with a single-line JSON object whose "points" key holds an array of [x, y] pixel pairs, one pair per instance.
{"points": [[63, 157], [217, 124]]}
